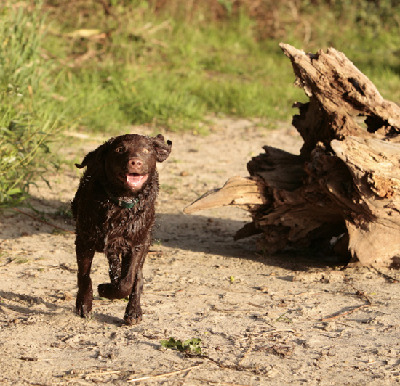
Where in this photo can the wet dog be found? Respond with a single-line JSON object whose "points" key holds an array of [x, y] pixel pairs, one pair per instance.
{"points": [[114, 209]]}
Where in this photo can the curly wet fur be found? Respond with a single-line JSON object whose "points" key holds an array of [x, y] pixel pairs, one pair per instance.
{"points": [[123, 234]]}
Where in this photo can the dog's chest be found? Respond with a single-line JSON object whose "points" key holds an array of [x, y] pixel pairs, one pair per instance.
{"points": [[125, 225], [122, 220]]}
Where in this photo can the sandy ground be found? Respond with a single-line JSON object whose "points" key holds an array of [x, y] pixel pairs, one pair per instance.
{"points": [[262, 320]]}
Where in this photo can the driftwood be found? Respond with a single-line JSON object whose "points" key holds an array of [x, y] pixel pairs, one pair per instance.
{"points": [[344, 187]]}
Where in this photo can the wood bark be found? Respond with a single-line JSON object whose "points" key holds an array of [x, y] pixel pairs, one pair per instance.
{"points": [[344, 187]]}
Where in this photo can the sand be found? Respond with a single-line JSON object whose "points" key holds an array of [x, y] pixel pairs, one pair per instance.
{"points": [[290, 318]]}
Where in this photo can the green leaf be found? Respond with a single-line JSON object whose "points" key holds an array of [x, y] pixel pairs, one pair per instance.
{"points": [[14, 191], [191, 346]]}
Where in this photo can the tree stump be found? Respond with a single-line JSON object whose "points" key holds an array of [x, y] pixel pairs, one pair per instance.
{"points": [[344, 187]]}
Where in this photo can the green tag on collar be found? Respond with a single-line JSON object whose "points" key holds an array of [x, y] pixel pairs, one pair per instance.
{"points": [[124, 204]]}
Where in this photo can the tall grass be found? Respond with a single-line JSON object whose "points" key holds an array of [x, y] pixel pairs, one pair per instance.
{"points": [[171, 74], [25, 122]]}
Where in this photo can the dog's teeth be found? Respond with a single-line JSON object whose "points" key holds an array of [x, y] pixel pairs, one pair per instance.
{"points": [[135, 180]]}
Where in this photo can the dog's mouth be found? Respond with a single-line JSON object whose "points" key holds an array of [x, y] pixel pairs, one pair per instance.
{"points": [[135, 180]]}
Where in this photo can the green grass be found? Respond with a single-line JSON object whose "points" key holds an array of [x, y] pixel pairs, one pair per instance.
{"points": [[161, 70], [69, 65], [174, 83]]}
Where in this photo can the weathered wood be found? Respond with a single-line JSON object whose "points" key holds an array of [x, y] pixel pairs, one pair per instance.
{"points": [[277, 168], [244, 192], [331, 77], [339, 93], [374, 239], [299, 212], [344, 185]]}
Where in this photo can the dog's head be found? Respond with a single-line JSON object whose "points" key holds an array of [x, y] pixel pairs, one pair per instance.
{"points": [[128, 161]]}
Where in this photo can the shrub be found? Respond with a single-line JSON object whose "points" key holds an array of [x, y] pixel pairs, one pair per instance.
{"points": [[25, 125]]}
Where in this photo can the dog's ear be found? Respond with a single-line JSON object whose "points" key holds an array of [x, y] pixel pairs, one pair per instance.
{"points": [[94, 157], [162, 149]]}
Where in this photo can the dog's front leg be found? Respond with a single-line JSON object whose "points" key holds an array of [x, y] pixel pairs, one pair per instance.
{"points": [[133, 312], [84, 298]]}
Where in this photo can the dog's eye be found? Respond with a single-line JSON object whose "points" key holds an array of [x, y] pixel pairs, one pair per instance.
{"points": [[145, 151], [119, 149]]}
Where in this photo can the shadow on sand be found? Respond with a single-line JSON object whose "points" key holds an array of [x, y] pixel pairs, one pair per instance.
{"points": [[196, 233]]}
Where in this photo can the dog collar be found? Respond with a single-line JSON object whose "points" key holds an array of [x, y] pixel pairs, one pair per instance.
{"points": [[124, 204]]}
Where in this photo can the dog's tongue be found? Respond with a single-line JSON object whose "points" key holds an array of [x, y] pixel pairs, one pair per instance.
{"points": [[135, 181]]}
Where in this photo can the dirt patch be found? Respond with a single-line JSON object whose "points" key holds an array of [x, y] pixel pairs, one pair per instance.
{"points": [[281, 319]]}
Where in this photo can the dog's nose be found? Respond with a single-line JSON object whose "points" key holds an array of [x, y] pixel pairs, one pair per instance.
{"points": [[135, 162]]}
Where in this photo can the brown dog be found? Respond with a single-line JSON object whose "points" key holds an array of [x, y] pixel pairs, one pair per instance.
{"points": [[114, 209]]}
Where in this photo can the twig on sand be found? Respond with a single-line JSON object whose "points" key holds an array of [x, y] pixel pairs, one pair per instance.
{"points": [[362, 295], [208, 381], [72, 375], [99, 373], [387, 277], [345, 313], [249, 349], [132, 380]]}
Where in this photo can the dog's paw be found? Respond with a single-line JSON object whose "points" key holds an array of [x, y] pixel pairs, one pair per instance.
{"points": [[83, 309], [133, 316], [106, 290], [110, 291], [132, 320]]}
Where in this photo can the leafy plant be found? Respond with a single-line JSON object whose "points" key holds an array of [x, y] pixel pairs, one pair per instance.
{"points": [[190, 346], [25, 158], [25, 123]]}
